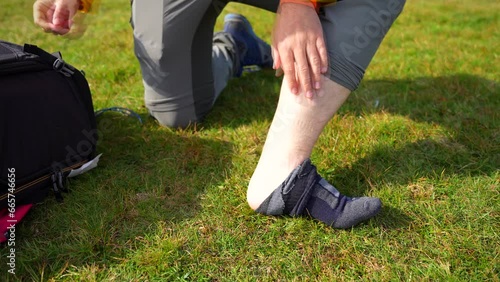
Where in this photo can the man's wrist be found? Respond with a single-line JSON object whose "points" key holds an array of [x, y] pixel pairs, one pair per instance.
{"points": [[302, 2]]}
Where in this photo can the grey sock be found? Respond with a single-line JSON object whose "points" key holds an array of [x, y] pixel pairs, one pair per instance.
{"points": [[304, 192], [334, 209]]}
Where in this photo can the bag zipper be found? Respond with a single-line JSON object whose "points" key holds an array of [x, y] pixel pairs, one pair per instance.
{"points": [[45, 177], [58, 185]]}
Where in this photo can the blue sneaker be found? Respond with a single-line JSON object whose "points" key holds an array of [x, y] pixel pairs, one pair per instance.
{"points": [[253, 51]]}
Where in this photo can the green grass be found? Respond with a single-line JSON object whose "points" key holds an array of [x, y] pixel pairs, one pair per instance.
{"points": [[421, 133]]}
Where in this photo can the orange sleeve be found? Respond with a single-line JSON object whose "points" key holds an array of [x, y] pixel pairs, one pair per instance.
{"points": [[85, 5], [309, 3]]}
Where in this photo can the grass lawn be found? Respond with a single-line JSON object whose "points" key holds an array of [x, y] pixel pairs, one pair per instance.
{"points": [[422, 133]]}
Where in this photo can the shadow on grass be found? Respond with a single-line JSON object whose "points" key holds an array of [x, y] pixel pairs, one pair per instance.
{"points": [[147, 175], [460, 100], [251, 98], [172, 167], [465, 105], [392, 218]]}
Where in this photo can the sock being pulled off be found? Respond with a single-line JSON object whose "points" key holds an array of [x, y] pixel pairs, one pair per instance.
{"points": [[305, 192], [329, 206]]}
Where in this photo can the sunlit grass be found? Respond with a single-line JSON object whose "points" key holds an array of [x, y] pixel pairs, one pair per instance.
{"points": [[421, 133]]}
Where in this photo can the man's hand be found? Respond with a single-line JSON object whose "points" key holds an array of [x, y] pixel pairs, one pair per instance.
{"points": [[55, 16], [299, 47]]}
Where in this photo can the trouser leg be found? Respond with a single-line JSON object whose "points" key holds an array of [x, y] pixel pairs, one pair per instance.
{"points": [[173, 43], [183, 67], [353, 31]]}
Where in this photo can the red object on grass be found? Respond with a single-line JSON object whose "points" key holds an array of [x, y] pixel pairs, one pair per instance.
{"points": [[9, 220]]}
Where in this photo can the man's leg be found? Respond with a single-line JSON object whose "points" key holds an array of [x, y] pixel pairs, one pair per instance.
{"points": [[173, 43], [284, 181], [296, 126], [184, 65]]}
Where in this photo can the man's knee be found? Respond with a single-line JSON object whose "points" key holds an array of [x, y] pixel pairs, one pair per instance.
{"points": [[174, 119]]}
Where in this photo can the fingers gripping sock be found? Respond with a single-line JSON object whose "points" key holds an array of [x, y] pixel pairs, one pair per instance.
{"points": [[305, 192]]}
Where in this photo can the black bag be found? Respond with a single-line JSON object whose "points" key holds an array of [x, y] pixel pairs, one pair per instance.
{"points": [[47, 123]]}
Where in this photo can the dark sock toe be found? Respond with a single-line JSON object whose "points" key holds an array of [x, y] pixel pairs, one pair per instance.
{"points": [[356, 211]]}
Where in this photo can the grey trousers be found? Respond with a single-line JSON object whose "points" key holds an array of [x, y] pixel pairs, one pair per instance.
{"points": [[185, 67]]}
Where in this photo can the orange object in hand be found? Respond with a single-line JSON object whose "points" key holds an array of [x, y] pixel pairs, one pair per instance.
{"points": [[315, 4], [85, 6]]}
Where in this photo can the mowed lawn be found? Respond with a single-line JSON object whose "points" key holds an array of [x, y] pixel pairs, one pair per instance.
{"points": [[422, 133]]}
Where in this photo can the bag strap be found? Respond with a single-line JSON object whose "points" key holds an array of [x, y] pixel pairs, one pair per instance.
{"points": [[121, 110], [57, 63], [10, 52]]}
